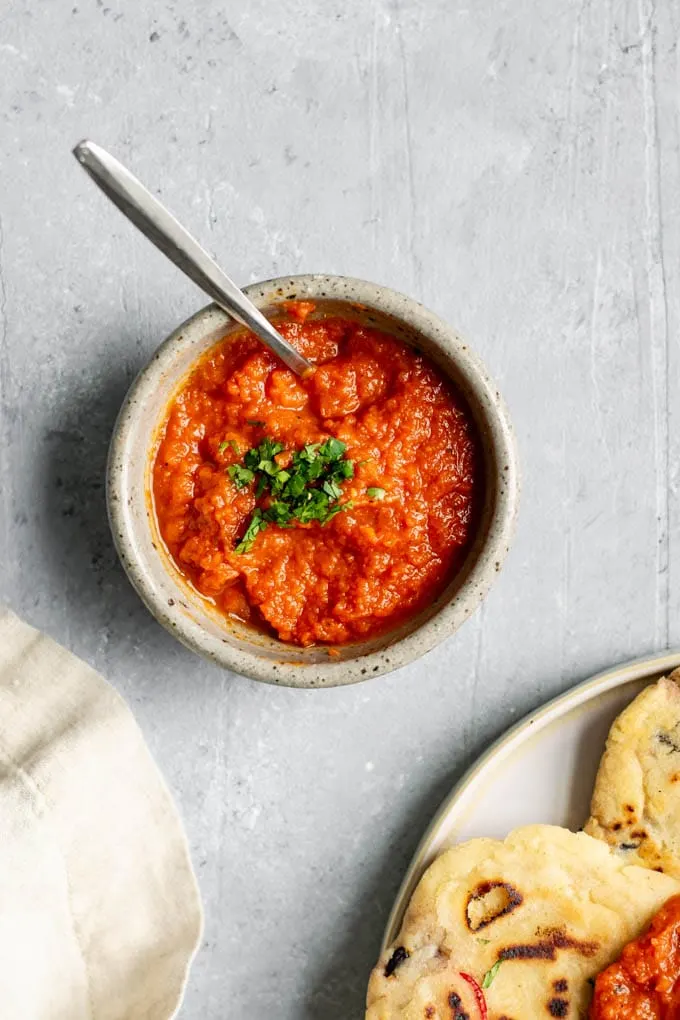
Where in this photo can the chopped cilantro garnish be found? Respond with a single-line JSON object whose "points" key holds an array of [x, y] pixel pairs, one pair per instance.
{"points": [[491, 974], [295, 486], [263, 455], [261, 486], [332, 449], [344, 469], [240, 476], [375, 492], [337, 508], [255, 423], [315, 507], [307, 490], [332, 489], [229, 442], [309, 452], [278, 513], [255, 525]]}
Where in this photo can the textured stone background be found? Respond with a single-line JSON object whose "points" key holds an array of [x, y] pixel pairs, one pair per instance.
{"points": [[512, 163]]}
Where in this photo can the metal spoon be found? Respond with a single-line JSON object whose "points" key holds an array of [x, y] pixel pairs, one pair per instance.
{"points": [[161, 227]]}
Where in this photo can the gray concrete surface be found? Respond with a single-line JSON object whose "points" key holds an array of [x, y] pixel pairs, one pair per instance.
{"points": [[512, 163]]}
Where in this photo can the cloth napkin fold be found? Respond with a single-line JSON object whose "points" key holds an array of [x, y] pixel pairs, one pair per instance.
{"points": [[100, 914]]}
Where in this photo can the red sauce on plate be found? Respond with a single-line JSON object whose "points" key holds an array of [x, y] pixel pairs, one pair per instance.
{"points": [[409, 435], [644, 984]]}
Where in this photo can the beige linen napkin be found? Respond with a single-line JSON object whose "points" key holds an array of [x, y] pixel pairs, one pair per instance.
{"points": [[99, 910]]}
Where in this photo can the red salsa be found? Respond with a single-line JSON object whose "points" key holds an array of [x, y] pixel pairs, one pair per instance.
{"points": [[386, 541], [644, 984]]}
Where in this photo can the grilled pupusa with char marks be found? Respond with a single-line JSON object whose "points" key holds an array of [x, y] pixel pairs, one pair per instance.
{"points": [[520, 928], [636, 801]]}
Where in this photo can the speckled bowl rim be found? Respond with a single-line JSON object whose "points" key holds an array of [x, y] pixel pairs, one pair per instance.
{"points": [[450, 616]]}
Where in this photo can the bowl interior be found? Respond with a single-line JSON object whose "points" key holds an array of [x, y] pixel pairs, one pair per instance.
{"points": [[175, 602]]}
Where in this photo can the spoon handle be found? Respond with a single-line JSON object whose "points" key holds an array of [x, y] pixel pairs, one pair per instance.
{"points": [[163, 230]]}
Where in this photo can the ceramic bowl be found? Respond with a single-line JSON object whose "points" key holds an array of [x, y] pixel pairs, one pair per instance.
{"points": [[229, 643]]}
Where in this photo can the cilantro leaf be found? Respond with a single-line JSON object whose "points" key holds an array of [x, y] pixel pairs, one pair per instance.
{"points": [[343, 469], [229, 442], [278, 512], [332, 489], [295, 486], [279, 480], [337, 509], [255, 423], [309, 452], [269, 448], [315, 507], [375, 492], [261, 486], [263, 454], [332, 449], [256, 524], [240, 476]]}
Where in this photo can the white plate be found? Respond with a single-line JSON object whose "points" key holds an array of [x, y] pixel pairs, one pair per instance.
{"points": [[542, 770]]}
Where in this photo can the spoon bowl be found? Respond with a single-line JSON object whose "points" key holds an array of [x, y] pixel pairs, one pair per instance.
{"points": [[240, 647]]}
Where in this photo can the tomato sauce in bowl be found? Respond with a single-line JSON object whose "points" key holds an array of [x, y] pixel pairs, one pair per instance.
{"points": [[401, 524]]}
